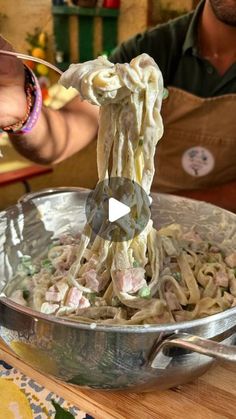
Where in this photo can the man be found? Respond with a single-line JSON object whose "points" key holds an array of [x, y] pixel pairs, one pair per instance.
{"points": [[197, 56]]}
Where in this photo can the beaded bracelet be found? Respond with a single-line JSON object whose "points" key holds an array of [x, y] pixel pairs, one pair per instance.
{"points": [[34, 105]]}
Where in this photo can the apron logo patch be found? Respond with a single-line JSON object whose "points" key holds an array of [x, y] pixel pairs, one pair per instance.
{"points": [[198, 161]]}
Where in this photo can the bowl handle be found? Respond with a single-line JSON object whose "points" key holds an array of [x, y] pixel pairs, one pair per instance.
{"points": [[193, 343]]}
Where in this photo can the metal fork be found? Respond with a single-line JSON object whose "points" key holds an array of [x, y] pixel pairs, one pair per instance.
{"points": [[29, 57]]}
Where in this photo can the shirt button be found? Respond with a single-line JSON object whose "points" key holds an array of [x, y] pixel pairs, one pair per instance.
{"points": [[210, 70]]}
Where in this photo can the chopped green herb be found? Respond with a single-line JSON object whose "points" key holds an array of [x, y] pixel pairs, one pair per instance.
{"points": [[165, 93], [144, 292], [25, 259], [47, 264], [135, 264], [235, 272], [26, 294], [177, 276], [115, 302], [26, 266], [140, 142], [141, 223], [92, 296]]}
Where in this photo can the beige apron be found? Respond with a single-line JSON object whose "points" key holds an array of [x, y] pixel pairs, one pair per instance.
{"points": [[198, 148]]}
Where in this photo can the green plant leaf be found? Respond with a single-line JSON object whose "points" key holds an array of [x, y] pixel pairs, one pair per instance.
{"points": [[60, 412]]}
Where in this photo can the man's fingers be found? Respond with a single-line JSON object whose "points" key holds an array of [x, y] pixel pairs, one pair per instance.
{"points": [[11, 68], [7, 62]]}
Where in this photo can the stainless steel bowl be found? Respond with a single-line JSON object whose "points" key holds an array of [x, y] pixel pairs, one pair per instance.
{"points": [[109, 357]]}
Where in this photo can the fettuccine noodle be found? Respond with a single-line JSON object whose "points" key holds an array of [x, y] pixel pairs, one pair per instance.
{"points": [[156, 277]]}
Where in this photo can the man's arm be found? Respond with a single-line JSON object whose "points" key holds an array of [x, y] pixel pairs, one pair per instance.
{"points": [[59, 133], [224, 195]]}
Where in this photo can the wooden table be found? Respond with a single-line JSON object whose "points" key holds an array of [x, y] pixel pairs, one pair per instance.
{"points": [[23, 175], [212, 396]]}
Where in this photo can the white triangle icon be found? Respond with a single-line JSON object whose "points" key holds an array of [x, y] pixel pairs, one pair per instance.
{"points": [[116, 210]]}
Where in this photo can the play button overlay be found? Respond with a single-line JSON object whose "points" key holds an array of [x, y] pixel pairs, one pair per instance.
{"points": [[118, 209]]}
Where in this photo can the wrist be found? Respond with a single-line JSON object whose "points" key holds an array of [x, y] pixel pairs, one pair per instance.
{"points": [[34, 105]]}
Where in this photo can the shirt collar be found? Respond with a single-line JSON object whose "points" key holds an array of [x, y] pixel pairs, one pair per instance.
{"points": [[190, 42]]}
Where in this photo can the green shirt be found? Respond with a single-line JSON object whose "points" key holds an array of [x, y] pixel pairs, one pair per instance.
{"points": [[173, 46]]}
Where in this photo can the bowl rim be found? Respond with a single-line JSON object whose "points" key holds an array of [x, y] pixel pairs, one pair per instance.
{"points": [[117, 328]]}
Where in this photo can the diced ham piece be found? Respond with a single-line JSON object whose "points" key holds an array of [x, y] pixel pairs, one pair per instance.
{"points": [[124, 281], [67, 239], [130, 280], [192, 236], [76, 299], [94, 282], [91, 264], [222, 279], [84, 302], [53, 295], [231, 260], [48, 308], [172, 301], [214, 249], [73, 297], [91, 280]]}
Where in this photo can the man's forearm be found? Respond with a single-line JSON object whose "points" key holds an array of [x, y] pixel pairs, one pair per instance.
{"points": [[59, 133]]}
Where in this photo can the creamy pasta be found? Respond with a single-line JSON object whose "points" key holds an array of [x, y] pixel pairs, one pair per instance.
{"points": [[156, 277]]}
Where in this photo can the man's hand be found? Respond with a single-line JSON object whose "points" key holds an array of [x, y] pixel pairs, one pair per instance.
{"points": [[12, 95]]}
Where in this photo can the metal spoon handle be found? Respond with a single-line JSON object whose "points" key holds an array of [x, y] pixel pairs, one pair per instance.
{"points": [[29, 57]]}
